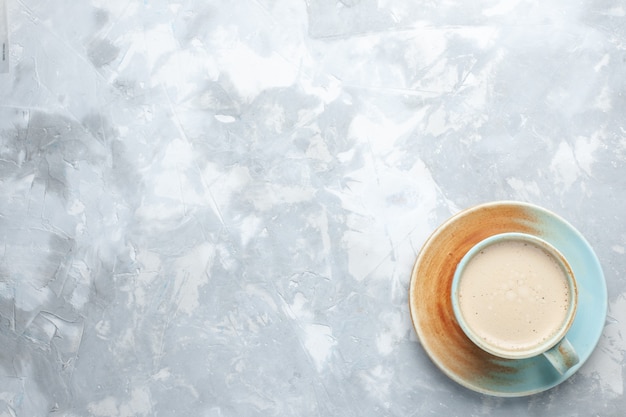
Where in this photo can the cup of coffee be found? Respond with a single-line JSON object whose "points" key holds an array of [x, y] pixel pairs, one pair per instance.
{"points": [[515, 296]]}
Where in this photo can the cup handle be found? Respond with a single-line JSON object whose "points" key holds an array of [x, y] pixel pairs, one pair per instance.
{"points": [[562, 356]]}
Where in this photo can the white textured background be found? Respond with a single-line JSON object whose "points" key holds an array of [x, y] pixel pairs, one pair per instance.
{"points": [[211, 208]]}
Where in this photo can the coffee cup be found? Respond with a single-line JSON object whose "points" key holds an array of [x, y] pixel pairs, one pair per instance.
{"points": [[515, 296]]}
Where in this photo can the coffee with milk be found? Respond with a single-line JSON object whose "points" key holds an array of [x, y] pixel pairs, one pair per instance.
{"points": [[514, 295]]}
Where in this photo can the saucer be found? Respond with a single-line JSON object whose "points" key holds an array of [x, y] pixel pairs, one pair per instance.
{"points": [[433, 316]]}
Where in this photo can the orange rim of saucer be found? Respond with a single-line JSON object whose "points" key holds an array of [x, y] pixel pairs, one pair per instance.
{"points": [[430, 302]]}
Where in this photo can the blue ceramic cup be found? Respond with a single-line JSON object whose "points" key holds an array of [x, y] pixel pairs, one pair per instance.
{"points": [[515, 296]]}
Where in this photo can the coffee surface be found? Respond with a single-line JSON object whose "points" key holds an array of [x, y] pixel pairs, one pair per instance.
{"points": [[514, 295]]}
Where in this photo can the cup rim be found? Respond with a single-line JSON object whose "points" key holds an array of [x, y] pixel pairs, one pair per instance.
{"points": [[565, 266]]}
